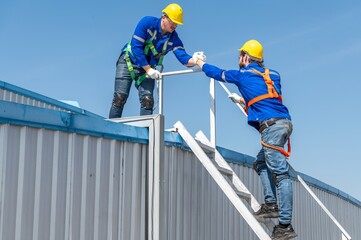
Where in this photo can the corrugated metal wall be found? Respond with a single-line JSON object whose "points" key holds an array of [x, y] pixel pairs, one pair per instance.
{"points": [[195, 208], [19, 98], [59, 185], [56, 183], [12, 93]]}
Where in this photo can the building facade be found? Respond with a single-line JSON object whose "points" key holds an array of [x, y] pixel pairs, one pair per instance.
{"points": [[68, 174]]}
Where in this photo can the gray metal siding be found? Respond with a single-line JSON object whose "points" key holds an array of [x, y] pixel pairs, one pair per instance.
{"points": [[58, 185], [193, 207], [18, 98], [11, 93], [75, 176]]}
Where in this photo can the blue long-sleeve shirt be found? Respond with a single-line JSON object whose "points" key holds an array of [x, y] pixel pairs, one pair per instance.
{"points": [[251, 85], [145, 30]]}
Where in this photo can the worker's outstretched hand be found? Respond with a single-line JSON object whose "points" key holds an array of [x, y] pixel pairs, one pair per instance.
{"points": [[236, 98], [153, 73], [199, 56]]}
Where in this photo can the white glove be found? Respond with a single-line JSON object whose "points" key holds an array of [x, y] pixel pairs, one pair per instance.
{"points": [[153, 73], [236, 98], [199, 56]]}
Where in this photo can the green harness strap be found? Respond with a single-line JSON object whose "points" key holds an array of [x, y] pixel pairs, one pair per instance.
{"points": [[149, 46]]}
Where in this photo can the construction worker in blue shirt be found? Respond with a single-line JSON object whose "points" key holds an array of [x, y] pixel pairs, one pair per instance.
{"points": [[153, 38], [261, 91]]}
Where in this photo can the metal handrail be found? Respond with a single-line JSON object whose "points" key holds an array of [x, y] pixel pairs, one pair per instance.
{"points": [[195, 70], [345, 235], [160, 83]]}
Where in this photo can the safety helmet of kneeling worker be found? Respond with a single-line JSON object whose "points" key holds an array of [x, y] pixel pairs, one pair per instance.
{"points": [[174, 12], [254, 49]]}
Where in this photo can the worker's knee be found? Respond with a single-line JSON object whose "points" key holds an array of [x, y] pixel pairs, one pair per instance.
{"points": [[147, 102], [258, 166], [119, 99], [277, 178]]}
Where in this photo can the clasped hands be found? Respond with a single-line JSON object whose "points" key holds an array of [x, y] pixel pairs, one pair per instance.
{"points": [[155, 74], [199, 56]]}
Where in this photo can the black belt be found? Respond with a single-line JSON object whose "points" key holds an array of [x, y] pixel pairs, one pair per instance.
{"points": [[265, 124]]}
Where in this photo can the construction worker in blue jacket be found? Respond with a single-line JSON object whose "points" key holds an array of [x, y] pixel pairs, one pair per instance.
{"points": [[261, 91], [153, 38]]}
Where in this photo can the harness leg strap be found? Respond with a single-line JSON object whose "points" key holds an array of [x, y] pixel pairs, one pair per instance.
{"points": [[287, 154]]}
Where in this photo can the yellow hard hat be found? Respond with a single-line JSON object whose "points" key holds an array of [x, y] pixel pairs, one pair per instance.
{"points": [[174, 12], [253, 48]]}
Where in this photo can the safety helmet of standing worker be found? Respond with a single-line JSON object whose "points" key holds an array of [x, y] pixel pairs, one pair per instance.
{"points": [[174, 12], [254, 49]]}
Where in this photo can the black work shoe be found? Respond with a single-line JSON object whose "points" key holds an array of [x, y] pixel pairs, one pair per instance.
{"points": [[267, 210], [280, 233]]}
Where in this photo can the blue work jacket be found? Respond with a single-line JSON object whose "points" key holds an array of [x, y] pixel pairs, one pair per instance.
{"points": [[251, 85], [146, 28]]}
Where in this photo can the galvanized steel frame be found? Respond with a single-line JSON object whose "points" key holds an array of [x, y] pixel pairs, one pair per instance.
{"points": [[155, 125]]}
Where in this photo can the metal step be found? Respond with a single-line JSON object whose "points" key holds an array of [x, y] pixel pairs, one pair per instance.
{"points": [[225, 171], [206, 148], [244, 195], [236, 181], [235, 196]]}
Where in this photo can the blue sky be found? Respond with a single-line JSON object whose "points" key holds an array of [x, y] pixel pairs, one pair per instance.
{"points": [[67, 50]]}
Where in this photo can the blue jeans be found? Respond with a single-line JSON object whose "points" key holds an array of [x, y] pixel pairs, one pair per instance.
{"points": [[123, 82], [272, 167]]}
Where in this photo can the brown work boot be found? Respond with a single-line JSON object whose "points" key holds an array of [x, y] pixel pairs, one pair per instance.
{"points": [[267, 210], [283, 233]]}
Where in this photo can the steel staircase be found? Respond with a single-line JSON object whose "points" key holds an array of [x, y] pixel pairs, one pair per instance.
{"points": [[227, 180]]}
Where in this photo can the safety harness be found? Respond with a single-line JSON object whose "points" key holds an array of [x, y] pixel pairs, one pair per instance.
{"points": [[272, 93], [287, 154], [148, 46]]}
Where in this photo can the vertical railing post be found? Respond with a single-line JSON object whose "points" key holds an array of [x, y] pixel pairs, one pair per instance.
{"points": [[160, 94], [212, 112], [155, 125]]}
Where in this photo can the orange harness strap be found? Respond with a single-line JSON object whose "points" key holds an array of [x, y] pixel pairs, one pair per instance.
{"points": [[272, 93], [287, 154]]}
